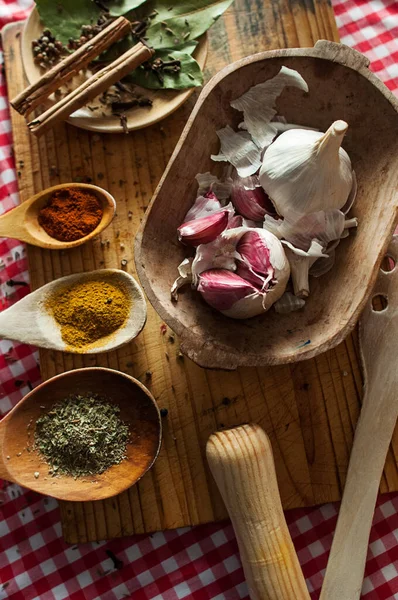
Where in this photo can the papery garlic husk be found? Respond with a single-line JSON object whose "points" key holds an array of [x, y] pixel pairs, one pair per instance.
{"points": [[324, 226], [203, 207], [208, 182], [238, 148], [300, 263], [258, 104], [288, 303], [230, 294], [307, 171], [249, 199], [185, 277], [205, 229]]}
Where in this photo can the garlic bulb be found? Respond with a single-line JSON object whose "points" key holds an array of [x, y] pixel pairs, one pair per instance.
{"points": [[260, 278], [307, 171]]}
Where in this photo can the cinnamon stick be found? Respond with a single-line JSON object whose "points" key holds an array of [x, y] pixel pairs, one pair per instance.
{"points": [[38, 92], [97, 83]]}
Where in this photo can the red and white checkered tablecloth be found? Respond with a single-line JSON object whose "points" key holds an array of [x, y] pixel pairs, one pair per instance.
{"points": [[199, 563]]}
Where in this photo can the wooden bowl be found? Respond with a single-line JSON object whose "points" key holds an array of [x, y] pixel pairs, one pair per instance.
{"points": [[137, 407], [165, 102], [341, 87]]}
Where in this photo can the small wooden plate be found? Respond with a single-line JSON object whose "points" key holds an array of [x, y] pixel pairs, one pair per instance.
{"points": [[165, 102]]}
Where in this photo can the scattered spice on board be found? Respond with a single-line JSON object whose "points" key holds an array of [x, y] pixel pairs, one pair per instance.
{"points": [[89, 311], [70, 214], [81, 435]]}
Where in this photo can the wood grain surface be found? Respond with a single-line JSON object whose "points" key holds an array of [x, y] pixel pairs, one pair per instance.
{"points": [[309, 410]]}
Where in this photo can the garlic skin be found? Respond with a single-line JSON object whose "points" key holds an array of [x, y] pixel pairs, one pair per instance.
{"points": [[306, 171], [258, 105], [204, 206], [210, 183], [185, 277]]}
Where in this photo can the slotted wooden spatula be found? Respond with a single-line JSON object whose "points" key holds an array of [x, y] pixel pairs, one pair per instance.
{"points": [[378, 336]]}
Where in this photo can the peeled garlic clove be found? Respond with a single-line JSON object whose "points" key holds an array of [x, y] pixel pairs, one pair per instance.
{"points": [[239, 149], [185, 277], [230, 294], [250, 200], [202, 208], [300, 263], [258, 104], [307, 171], [205, 229]]}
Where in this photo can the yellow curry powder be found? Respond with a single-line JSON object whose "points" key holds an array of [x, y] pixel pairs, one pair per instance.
{"points": [[87, 312]]}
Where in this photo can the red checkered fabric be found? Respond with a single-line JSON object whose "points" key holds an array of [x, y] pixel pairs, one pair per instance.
{"points": [[199, 563]]}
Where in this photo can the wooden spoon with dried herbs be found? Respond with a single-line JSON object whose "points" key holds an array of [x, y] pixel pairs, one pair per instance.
{"points": [[87, 434]]}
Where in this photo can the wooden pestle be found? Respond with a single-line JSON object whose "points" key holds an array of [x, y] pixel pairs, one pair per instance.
{"points": [[242, 465]]}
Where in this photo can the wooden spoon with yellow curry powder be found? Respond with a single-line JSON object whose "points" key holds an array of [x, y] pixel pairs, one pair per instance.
{"points": [[84, 313]]}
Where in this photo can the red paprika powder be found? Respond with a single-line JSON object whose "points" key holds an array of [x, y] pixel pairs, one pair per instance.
{"points": [[70, 214]]}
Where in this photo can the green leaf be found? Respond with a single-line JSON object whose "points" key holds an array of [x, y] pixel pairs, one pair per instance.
{"points": [[65, 18], [179, 21], [126, 43], [119, 8], [189, 76]]}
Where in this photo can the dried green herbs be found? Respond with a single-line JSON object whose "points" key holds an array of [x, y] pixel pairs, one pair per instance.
{"points": [[82, 435]]}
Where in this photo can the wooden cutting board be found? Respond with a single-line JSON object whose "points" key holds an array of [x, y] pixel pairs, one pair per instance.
{"points": [[308, 409]]}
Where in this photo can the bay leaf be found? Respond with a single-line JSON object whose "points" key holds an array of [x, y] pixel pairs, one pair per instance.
{"points": [[189, 76], [119, 8], [179, 21], [64, 18]]}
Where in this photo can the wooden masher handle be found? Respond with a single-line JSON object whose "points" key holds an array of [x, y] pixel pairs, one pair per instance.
{"points": [[242, 465]]}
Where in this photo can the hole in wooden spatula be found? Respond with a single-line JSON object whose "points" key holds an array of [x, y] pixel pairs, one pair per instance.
{"points": [[379, 302], [388, 263]]}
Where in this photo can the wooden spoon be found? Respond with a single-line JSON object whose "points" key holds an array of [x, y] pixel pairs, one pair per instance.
{"points": [[242, 465], [22, 222], [29, 320], [137, 408], [378, 336]]}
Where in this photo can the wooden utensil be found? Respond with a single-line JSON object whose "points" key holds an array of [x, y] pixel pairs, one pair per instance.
{"points": [[340, 86], [29, 321], [22, 222], [137, 407], [242, 465], [164, 102], [378, 335]]}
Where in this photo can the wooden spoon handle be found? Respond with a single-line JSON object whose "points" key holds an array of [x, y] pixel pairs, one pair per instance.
{"points": [[242, 465], [378, 336], [346, 565]]}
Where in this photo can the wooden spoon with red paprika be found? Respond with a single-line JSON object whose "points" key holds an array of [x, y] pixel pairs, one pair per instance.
{"points": [[60, 217]]}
